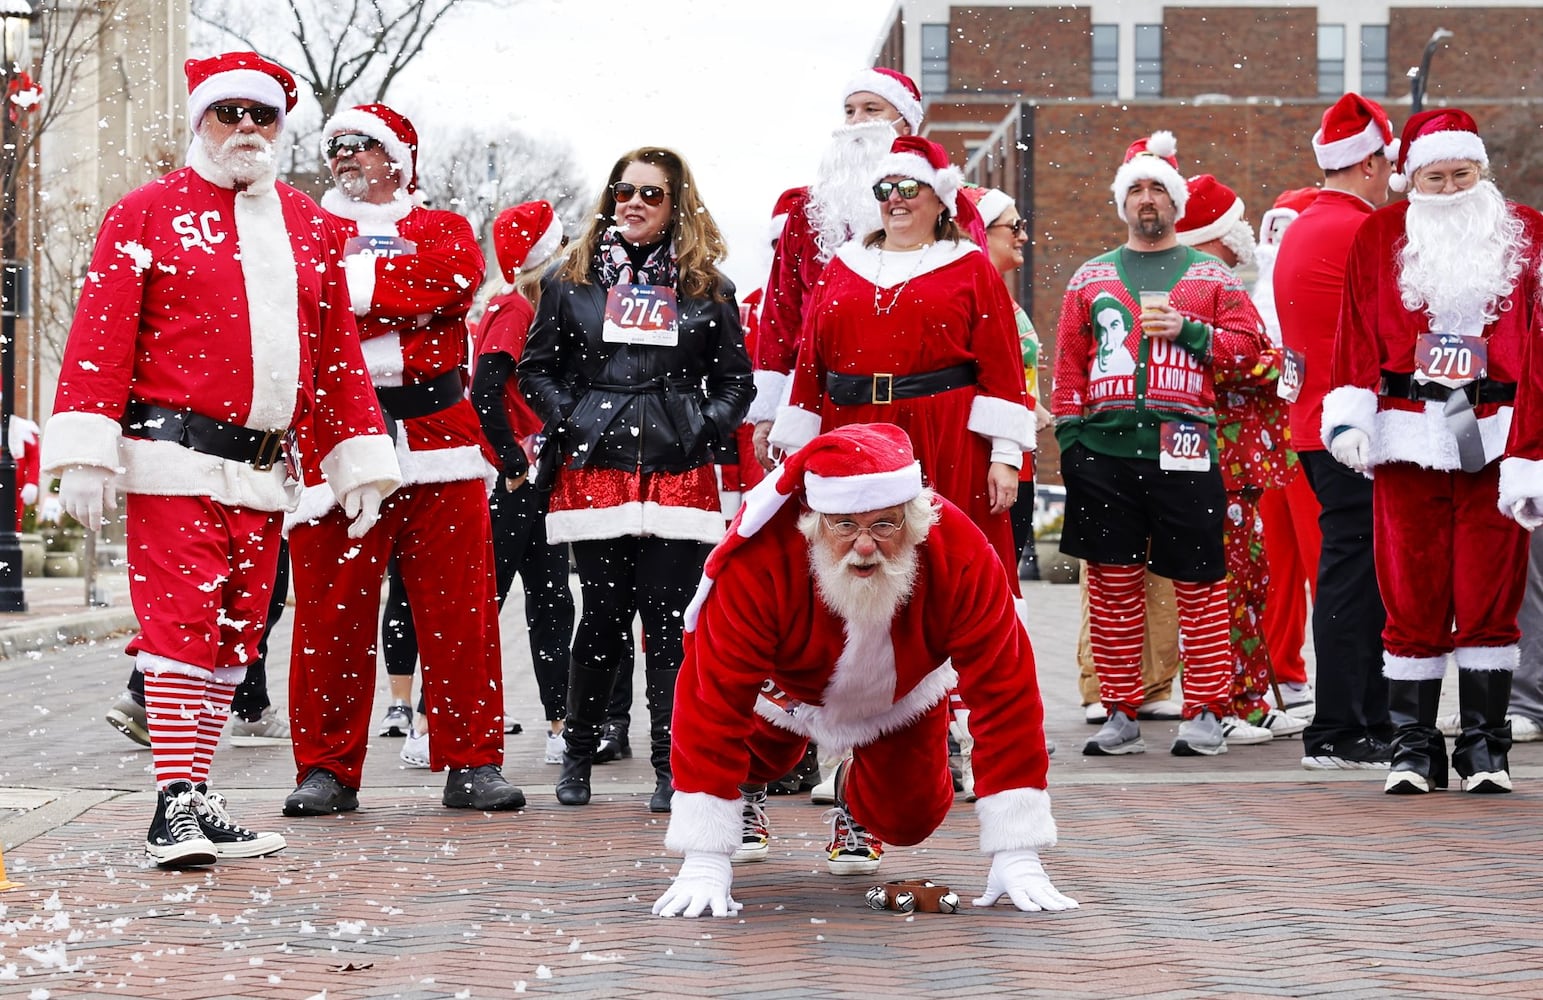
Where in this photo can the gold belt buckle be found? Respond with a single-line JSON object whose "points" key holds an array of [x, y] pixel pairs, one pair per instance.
{"points": [[269, 449], [889, 388]]}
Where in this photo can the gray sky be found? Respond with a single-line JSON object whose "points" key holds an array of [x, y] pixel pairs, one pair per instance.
{"points": [[747, 92]]}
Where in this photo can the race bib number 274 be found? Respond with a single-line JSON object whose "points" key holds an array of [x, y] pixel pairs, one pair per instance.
{"points": [[642, 314]]}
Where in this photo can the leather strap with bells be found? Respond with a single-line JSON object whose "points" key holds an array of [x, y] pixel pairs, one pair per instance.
{"points": [[913, 895]]}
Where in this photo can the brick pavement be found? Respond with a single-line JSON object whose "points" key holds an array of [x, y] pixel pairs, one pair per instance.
{"points": [[1241, 876]]}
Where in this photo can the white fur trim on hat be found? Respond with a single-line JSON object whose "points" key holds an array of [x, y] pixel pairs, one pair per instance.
{"points": [[992, 204], [869, 491], [364, 123], [1216, 228], [891, 90], [1437, 147], [236, 84], [550, 242], [1150, 168], [945, 183], [1349, 151]]}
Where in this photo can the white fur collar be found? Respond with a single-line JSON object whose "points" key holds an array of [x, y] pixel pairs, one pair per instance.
{"points": [[888, 268], [204, 166], [373, 219]]}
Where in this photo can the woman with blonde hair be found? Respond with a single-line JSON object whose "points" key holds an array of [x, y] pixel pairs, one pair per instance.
{"points": [[637, 364]]}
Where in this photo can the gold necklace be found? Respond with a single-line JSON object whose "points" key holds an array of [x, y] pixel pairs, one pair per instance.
{"points": [[883, 310]]}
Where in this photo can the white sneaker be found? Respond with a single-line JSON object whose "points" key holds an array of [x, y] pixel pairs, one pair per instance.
{"points": [[1235, 730], [1451, 725], [755, 832], [555, 746], [1525, 730], [1282, 725], [415, 749], [270, 729], [1299, 698], [1095, 714]]}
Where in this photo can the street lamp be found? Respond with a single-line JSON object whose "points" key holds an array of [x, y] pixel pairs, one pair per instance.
{"points": [[17, 23], [1419, 76]]}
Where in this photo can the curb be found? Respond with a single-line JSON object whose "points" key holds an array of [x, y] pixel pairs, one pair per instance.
{"points": [[54, 631]]}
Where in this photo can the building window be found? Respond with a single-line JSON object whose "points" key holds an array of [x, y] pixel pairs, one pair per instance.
{"points": [[1374, 60], [1149, 60], [1106, 60], [934, 59], [1331, 60]]}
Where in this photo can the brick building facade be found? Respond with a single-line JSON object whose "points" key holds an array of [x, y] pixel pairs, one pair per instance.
{"points": [[1041, 98]]}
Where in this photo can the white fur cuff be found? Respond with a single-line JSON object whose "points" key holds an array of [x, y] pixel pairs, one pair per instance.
{"points": [[76, 438], [795, 427], [702, 822], [364, 458], [1413, 668], [1016, 820], [991, 417], [1487, 657], [770, 387], [1349, 406]]}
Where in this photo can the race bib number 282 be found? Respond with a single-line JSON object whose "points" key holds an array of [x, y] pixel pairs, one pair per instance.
{"points": [[642, 314], [1186, 447]]}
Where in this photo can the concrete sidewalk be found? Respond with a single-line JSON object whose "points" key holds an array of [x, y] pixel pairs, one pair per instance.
{"points": [[1236, 876]]}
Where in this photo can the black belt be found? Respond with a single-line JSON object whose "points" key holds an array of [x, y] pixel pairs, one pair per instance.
{"points": [[404, 402], [1401, 385], [259, 449], [660, 384], [883, 388]]}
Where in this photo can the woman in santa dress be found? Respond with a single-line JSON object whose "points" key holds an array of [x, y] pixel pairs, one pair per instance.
{"points": [[913, 326], [637, 364]]}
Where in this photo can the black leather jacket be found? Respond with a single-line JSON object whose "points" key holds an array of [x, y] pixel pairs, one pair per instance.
{"points": [[635, 407]]}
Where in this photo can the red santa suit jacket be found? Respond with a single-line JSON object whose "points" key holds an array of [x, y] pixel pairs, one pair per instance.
{"points": [[796, 267], [1309, 280], [228, 304], [761, 618], [412, 310], [1378, 333]]}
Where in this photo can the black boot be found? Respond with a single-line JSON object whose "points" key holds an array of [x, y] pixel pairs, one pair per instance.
{"points": [[1479, 755], [1419, 751], [589, 690], [661, 709], [614, 744]]}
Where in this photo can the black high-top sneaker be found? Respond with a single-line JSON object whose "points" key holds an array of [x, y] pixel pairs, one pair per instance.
{"points": [[176, 840], [230, 839]]}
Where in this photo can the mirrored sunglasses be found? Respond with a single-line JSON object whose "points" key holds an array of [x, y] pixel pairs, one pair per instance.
{"points": [[351, 142], [908, 189]]}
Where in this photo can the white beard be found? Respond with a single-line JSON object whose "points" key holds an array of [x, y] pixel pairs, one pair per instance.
{"points": [[872, 600], [1461, 257], [246, 157], [841, 202]]}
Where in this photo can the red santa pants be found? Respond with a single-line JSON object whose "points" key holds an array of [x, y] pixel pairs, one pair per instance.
{"points": [[1291, 544], [1452, 569], [898, 786], [442, 541], [200, 576]]}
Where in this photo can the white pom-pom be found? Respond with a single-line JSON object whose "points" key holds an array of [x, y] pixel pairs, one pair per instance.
{"points": [[1398, 183], [1163, 143]]}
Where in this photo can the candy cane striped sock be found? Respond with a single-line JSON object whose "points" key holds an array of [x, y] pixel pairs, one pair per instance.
{"points": [[173, 705], [211, 723], [1203, 644], [1116, 622]]}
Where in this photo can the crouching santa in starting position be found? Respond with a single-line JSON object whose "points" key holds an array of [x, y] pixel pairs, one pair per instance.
{"points": [[846, 618]]}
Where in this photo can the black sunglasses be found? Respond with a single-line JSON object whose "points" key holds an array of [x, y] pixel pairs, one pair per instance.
{"points": [[1017, 226], [622, 191], [230, 114], [908, 189], [353, 142]]}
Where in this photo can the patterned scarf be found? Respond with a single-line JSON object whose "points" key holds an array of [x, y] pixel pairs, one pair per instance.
{"points": [[615, 267]]}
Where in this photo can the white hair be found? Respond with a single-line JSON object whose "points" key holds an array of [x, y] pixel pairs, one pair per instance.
{"points": [[841, 203]]}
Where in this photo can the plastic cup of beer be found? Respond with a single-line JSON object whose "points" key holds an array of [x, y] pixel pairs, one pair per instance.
{"points": [[1153, 300]]}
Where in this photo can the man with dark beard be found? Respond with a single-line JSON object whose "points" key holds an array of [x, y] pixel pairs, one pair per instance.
{"points": [[1439, 307], [213, 319], [851, 628], [880, 104]]}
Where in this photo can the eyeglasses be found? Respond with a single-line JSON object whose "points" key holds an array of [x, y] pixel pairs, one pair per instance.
{"points": [[351, 142], [231, 114], [879, 531], [908, 189], [1017, 226], [652, 194]]}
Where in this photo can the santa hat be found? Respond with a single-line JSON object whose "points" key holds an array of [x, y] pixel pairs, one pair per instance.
{"points": [[787, 201], [1154, 158], [925, 161], [1287, 207], [989, 202], [1353, 129], [1214, 210], [237, 76], [1433, 136], [525, 237], [895, 87], [856, 468], [387, 127]]}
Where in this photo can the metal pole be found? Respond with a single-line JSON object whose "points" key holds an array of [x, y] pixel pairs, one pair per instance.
{"points": [[12, 596], [1419, 77]]}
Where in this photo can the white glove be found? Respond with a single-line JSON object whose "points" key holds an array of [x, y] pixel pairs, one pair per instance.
{"points": [[1528, 512], [1352, 449], [87, 490], [29, 494], [362, 505], [1019, 876], [703, 881]]}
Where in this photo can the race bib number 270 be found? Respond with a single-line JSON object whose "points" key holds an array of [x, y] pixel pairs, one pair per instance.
{"points": [[642, 314], [1450, 359]]}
